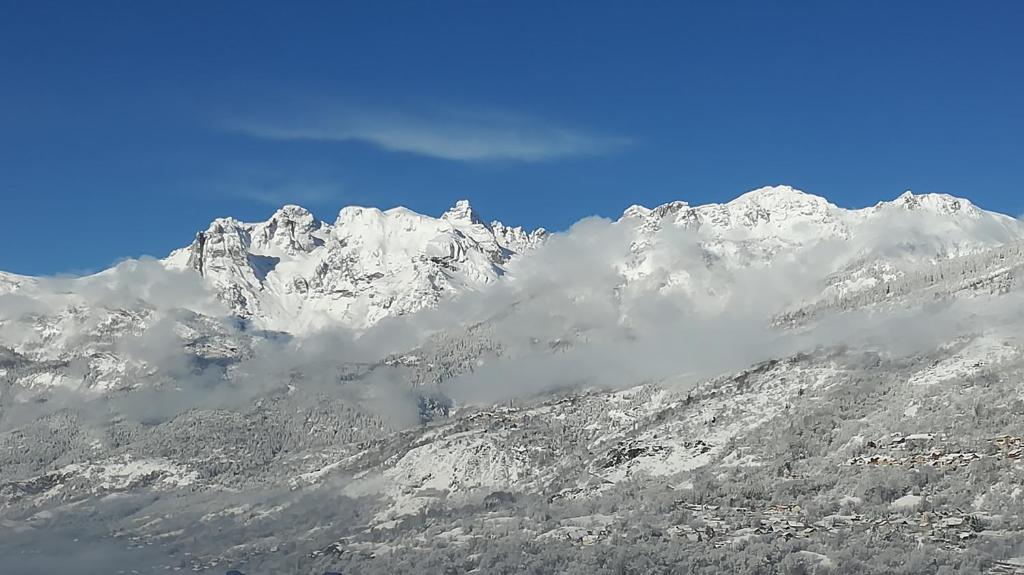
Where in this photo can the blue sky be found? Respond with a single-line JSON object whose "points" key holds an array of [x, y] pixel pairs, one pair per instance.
{"points": [[125, 127]]}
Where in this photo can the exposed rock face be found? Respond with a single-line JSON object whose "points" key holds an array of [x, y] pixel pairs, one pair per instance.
{"points": [[291, 230]]}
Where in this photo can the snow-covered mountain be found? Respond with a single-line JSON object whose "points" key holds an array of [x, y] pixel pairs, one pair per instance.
{"points": [[295, 273], [770, 385], [764, 223], [837, 250]]}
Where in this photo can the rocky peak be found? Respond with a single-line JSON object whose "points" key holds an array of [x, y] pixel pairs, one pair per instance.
{"points": [[651, 219], [225, 240], [222, 254], [670, 209], [943, 204], [462, 212], [290, 230], [516, 239]]}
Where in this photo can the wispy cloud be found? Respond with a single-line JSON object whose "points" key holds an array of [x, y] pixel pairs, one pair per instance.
{"points": [[460, 136]]}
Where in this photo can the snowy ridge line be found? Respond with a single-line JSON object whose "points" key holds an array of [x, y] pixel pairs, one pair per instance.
{"points": [[295, 273]]}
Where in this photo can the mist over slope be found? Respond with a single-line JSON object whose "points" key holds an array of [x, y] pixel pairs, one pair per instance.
{"points": [[686, 385]]}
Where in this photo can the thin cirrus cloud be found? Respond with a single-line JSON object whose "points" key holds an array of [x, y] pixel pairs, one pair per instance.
{"points": [[466, 137]]}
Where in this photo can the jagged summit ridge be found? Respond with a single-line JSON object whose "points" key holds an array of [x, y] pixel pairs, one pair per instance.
{"points": [[782, 201], [762, 225], [786, 213], [294, 272]]}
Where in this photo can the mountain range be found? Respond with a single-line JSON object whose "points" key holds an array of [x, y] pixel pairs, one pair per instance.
{"points": [[769, 385]]}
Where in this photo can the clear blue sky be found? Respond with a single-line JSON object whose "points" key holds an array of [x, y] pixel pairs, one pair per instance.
{"points": [[125, 127]]}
